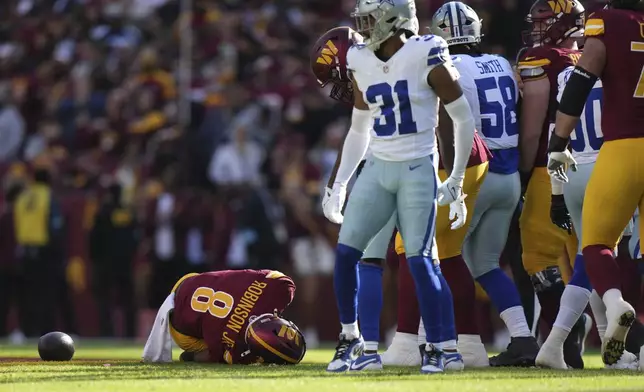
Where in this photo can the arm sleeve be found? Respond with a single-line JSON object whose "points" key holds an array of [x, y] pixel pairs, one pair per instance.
{"points": [[461, 115], [355, 145]]}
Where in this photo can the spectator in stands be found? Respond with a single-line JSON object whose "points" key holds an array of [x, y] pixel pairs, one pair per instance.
{"points": [[12, 126], [166, 251], [238, 161], [113, 242], [39, 230]]}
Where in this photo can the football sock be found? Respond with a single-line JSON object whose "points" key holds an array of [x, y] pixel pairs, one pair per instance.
{"points": [[370, 302], [514, 319], [448, 325], [448, 345], [370, 347], [505, 297], [461, 284], [579, 277], [351, 331], [408, 310], [430, 292], [346, 282], [601, 268], [573, 302], [599, 311]]}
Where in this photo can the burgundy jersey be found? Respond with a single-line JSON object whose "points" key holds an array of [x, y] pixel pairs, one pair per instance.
{"points": [[552, 60], [216, 307], [479, 154], [622, 32]]}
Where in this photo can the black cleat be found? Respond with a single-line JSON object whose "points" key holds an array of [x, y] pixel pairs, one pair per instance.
{"points": [[521, 352]]}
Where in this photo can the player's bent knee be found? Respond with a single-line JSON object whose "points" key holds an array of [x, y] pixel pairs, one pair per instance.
{"points": [[483, 268]]}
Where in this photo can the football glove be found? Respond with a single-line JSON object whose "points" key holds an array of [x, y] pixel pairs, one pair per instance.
{"points": [[458, 213], [450, 191], [558, 162], [559, 213], [333, 203]]}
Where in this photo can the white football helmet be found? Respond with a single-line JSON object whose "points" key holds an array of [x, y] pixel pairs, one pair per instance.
{"points": [[378, 20], [457, 23]]}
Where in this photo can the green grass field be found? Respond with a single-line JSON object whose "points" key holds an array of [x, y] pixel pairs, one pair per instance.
{"points": [[101, 367]]}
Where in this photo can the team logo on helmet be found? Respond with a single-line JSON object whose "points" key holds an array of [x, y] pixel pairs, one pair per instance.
{"points": [[559, 6], [327, 54]]}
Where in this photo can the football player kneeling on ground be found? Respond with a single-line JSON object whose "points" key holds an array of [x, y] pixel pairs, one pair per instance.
{"points": [[227, 317]]}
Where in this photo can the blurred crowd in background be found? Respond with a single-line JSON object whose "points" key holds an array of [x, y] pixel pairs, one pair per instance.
{"points": [[173, 139]]}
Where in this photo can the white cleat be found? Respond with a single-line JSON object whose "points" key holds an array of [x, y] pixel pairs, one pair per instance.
{"points": [[628, 361], [620, 319], [403, 351], [473, 351], [552, 357]]}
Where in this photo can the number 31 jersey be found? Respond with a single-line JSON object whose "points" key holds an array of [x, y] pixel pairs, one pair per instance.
{"points": [[216, 307], [404, 108], [492, 92]]}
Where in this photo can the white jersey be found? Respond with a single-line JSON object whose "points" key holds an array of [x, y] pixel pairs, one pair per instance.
{"points": [[493, 94], [403, 106], [587, 137]]}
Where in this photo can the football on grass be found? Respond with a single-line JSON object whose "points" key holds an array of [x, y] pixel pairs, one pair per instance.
{"points": [[56, 346]]}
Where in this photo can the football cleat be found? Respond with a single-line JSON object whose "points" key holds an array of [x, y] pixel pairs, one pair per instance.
{"points": [[345, 352], [453, 361], [620, 319], [433, 360], [521, 352], [366, 362], [628, 361], [551, 356], [403, 351]]}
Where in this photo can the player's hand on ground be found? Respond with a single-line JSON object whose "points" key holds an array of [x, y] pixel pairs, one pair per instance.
{"points": [[458, 213], [333, 201], [450, 191], [557, 164], [559, 213]]}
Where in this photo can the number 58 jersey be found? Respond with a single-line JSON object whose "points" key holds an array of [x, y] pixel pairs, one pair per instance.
{"points": [[214, 309], [404, 108], [488, 84]]}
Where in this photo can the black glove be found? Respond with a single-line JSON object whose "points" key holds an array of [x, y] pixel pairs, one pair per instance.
{"points": [[559, 213]]}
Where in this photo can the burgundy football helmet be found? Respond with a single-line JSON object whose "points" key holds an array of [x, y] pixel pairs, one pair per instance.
{"points": [[329, 61], [275, 340], [553, 21]]}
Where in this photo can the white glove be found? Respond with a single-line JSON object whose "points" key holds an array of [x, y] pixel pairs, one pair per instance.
{"points": [[557, 164], [458, 213], [450, 191], [333, 201]]}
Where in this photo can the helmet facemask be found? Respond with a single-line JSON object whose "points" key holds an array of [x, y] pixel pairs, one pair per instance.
{"points": [[377, 20]]}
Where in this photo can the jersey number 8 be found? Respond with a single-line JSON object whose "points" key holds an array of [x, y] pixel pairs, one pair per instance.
{"points": [[217, 303], [498, 117], [386, 124]]}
